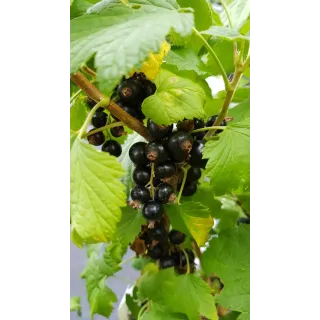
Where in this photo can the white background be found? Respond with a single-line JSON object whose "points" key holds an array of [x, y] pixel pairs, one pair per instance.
{"points": [[34, 171]]}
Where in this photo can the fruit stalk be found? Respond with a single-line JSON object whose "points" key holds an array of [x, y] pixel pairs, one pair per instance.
{"points": [[108, 126], [185, 173], [87, 87]]}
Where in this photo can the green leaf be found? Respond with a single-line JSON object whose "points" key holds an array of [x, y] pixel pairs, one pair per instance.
{"points": [[93, 249], [78, 8], [140, 262], [96, 193], [240, 112], [239, 11], [75, 305], [158, 312], [176, 98], [132, 306], [130, 225], [121, 37], [225, 33], [73, 137], [240, 95], [192, 218], [229, 158], [78, 114], [229, 257], [245, 29], [126, 162], [187, 59]]}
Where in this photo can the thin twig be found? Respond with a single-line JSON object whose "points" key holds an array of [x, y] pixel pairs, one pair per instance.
{"points": [[108, 126]]}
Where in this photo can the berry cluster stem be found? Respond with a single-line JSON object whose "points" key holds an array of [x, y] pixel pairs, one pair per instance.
{"points": [[108, 126], [90, 90], [185, 173], [187, 258], [227, 13], [142, 310], [151, 180], [209, 128]]}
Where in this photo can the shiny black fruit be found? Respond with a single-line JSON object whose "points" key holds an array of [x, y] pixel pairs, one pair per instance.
{"points": [[113, 147], [158, 232], [168, 262], [130, 91], [194, 174], [99, 119], [164, 192], [133, 112], [155, 252], [180, 145], [196, 154], [198, 124], [152, 210], [191, 257], [149, 88], [189, 189], [117, 131], [97, 139], [91, 103], [137, 153], [156, 152], [141, 175], [176, 237], [211, 121], [158, 132], [140, 193], [165, 170]]}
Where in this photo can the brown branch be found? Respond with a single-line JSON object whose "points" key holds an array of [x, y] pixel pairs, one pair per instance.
{"points": [[89, 71], [92, 92]]}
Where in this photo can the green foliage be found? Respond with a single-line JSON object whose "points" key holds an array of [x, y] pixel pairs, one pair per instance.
{"points": [[240, 112], [176, 98], [75, 305], [239, 11], [225, 33], [78, 114]]}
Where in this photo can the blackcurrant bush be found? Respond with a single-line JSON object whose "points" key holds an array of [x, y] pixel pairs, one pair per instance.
{"points": [[133, 112], [158, 132], [176, 237], [113, 147], [211, 121], [243, 220], [189, 189], [165, 170], [191, 257], [194, 174], [140, 193], [155, 252], [97, 139], [149, 88], [130, 91], [117, 131], [158, 232], [198, 124], [164, 192], [196, 154], [152, 210], [91, 103], [137, 153], [168, 262], [156, 152], [99, 119], [180, 145], [141, 175]]}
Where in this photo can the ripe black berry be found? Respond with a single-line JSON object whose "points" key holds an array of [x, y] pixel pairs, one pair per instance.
{"points": [[198, 123], [155, 252], [137, 153], [243, 220], [168, 262], [117, 131], [113, 147], [164, 192], [158, 132], [152, 210], [156, 152], [130, 91], [133, 112], [180, 145], [211, 121], [97, 139], [99, 119], [156, 182], [140, 193], [158, 232], [91, 103], [194, 174], [149, 88], [176, 237], [196, 154], [191, 257], [141, 175], [189, 189], [165, 170]]}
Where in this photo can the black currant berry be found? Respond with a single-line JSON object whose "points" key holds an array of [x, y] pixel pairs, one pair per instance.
{"points": [[176, 237], [99, 119], [194, 174], [141, 175], [156, 152], [165, 170], [196, 154], [97, 139], [211, 121], [113, 147], [198, 124], [149, 88], [180, 145], [140, 193], [155, 252], [164, 192], [140, 77], [91, 103], [189, 189], [137, 153], [158, 132], [130, 91], [158, 232], [152, 210], [168, 262], [191, 257], [117, 131], [156, 182], [243, 220], [133, 112]]}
